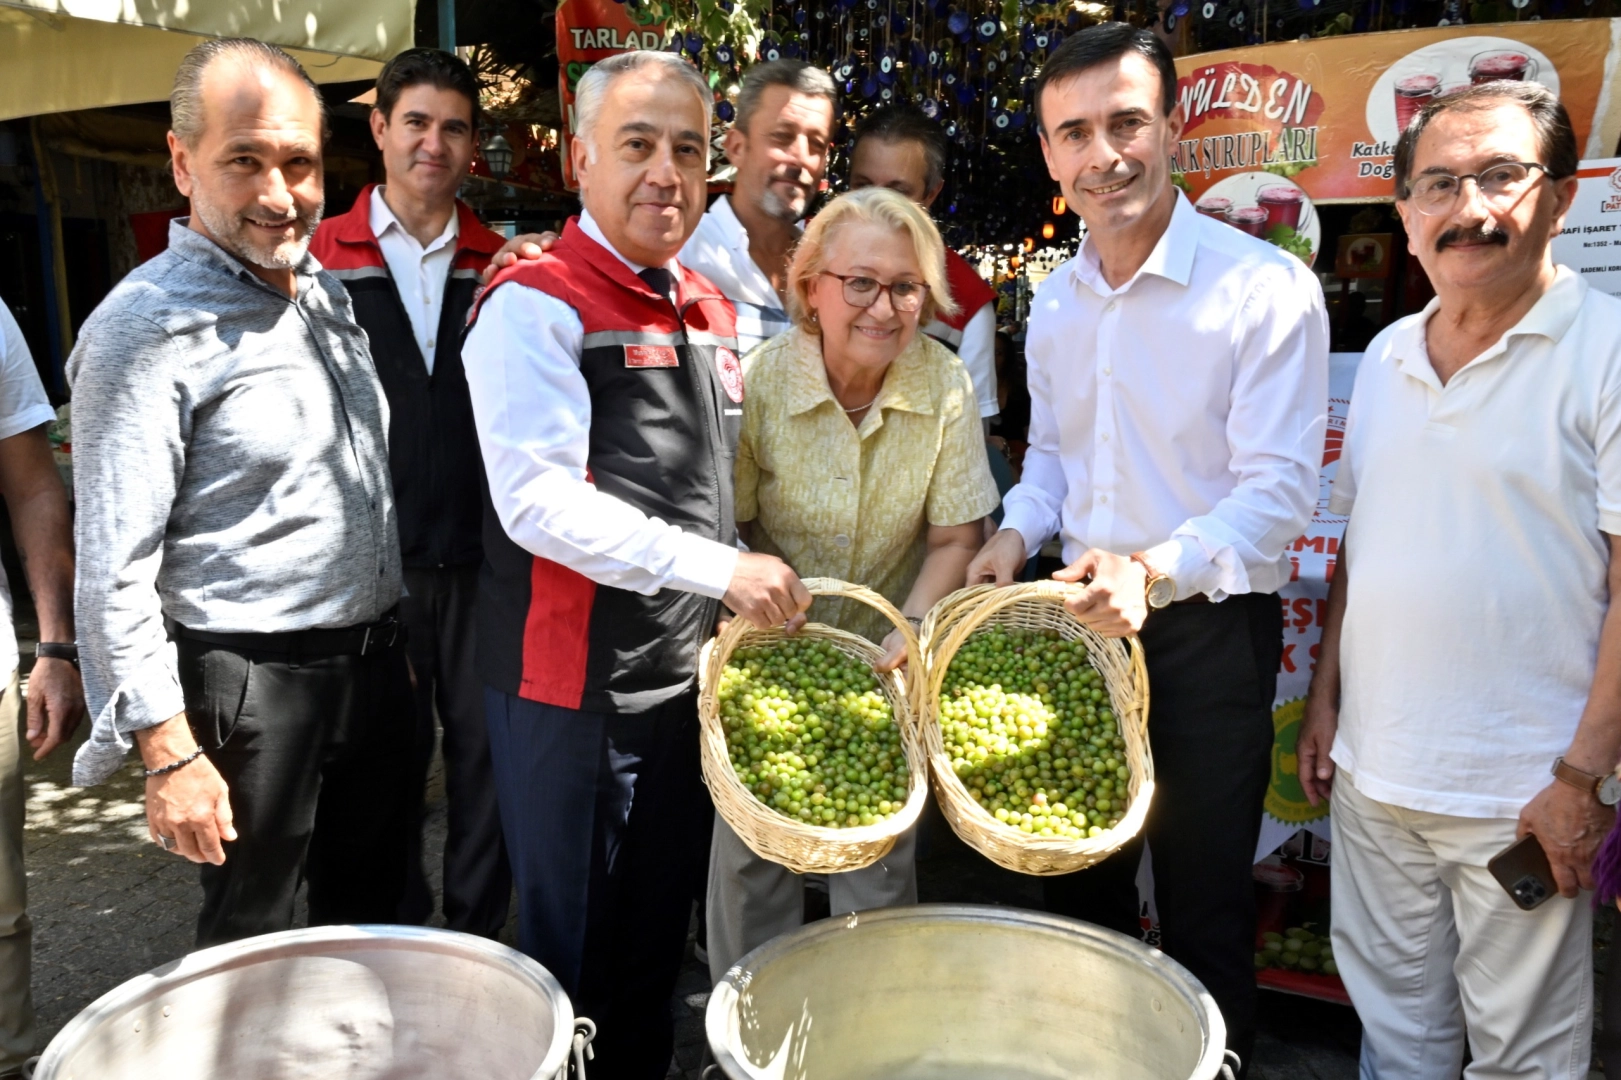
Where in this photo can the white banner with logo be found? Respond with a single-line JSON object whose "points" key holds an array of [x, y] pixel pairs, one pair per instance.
{"points": [[1591, 242]]}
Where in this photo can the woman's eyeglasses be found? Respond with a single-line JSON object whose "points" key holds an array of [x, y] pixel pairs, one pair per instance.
{"points": [[862, 292]]}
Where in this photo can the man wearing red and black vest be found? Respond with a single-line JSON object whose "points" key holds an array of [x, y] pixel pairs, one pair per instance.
{"points": [[608, 398], [900, 148], [410, 255]]}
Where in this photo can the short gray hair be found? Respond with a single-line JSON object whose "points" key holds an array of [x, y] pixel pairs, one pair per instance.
{"points": [[798, 76], [594, 85], [186, 117], [1556, 138]]}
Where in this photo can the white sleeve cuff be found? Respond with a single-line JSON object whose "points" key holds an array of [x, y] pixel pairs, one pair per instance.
{"points": [[1184, 557], [1028, 521], [703, 566]]}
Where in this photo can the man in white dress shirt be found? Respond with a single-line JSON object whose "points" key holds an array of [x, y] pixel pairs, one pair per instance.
{"points": [[608, 396], [1473, 643], [1179, 385]]}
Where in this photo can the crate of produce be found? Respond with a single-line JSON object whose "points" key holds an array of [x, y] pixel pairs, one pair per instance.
{"points": [[811, 756], [1036, 728]]}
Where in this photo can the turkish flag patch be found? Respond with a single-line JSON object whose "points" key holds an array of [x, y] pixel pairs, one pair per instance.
{"points": [[645, 356]]}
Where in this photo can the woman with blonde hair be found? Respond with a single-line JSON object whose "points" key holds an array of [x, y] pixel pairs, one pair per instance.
{"points": [[861, 458]]}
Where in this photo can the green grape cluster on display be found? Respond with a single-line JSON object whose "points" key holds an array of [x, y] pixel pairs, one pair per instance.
{"points": [[1297, 949], [1027, 723], [811, 734]]}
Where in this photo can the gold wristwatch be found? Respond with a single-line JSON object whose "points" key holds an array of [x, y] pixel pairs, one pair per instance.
{"points": [[1160, 589]]}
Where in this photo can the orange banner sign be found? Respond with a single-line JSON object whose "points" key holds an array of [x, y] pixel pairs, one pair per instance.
{"points": [[1322, 116]]}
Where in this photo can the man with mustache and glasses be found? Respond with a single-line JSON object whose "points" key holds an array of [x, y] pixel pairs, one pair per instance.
{"points": [[1178, 374], [1472, 644], [240, 567], [410, 253]]}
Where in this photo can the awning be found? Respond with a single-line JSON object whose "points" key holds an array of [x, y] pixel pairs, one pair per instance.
{"points": [[63, 55]]}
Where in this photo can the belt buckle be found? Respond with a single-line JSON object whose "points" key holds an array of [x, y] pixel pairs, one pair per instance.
{"points": [[375, 635]]}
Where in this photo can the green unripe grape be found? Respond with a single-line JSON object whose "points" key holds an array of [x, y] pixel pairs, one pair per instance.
{"points": [[1023, 712], [811, 734]]}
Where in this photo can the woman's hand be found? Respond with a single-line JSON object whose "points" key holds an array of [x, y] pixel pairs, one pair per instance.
{"points": [[894, 647]]}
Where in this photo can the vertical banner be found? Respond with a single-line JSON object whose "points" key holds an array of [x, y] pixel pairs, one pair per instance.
{"points": [[1312, 558], [1591, 241], [592, 30], [1272, 130]]}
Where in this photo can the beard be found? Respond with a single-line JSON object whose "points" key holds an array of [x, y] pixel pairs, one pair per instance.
{"points": [[775, 206], [232, 231]]}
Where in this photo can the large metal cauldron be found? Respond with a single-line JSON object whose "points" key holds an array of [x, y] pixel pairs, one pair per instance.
{"points": [[328, 1003], [960, 992]]}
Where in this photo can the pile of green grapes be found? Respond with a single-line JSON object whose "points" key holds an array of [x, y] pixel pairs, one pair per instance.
{"points": [[811, 735], [1029, 730]]}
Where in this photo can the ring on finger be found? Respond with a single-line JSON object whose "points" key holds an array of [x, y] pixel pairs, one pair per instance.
{"points": [[168, 843]]}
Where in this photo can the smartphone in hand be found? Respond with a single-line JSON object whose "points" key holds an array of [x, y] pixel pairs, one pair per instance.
{"points": [[1523, 871]]}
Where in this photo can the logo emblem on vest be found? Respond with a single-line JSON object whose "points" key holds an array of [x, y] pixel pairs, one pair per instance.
{"points": [[731, 373], [644, 356]]}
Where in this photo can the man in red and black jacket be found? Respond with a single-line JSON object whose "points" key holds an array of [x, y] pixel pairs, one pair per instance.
{"points": [[410, 255], [608, 395]]}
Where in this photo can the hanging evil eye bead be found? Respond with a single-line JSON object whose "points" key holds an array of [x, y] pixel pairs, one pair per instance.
{"points": [[958, 23], [931, 108], [1003, 121], [725, 111], [1018, 119], [694, 44], [800, 17], [934, 58], [898, 24], [987, 29], [773, 51], [845, 70], [1180, 9], [723, 54], [920, 55], [1041, 41], [886, 94], [886, 68], [965, 92], [951, 78], [1209, 10], [951, 133], [869, 87]]}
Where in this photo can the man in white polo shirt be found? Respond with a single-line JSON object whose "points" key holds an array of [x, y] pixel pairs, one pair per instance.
{"points": [[1471, 647]]}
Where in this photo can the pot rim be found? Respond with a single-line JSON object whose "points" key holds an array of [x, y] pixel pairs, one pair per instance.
{"points": [[334, 941], [720, 1016]]}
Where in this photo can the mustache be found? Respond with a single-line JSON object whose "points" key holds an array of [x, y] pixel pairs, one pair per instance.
{"points": [[1484, 234]]}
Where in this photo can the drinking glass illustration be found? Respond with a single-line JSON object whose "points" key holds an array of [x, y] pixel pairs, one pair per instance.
{"points": [[1412, 94], [1250, 219], [1282, 205], [1214, 206], [1502, 64]]}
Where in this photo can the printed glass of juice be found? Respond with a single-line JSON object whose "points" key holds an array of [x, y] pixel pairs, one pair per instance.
{"points": [[1250, 219], [1412, 94], [1214, 206], [1491, 66], [1282, 205]]}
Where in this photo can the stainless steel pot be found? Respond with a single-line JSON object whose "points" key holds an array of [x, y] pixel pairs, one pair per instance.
{"points": [[954, 992], [329, 1003]]}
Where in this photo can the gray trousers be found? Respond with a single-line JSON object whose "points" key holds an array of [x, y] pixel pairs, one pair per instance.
{"points": [[752, 900], [16, 933]]}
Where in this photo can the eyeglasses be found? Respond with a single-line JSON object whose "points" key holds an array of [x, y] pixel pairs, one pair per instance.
{"points": [[1435, 194], [862, 292]]}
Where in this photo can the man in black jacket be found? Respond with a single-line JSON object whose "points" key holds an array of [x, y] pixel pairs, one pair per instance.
{"points": [[410, 254]]}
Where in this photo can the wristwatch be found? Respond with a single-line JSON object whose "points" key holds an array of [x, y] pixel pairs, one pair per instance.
{"points": [[1160, 588], [1606, 789]]}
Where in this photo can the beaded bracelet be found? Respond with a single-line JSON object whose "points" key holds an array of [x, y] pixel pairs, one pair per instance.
{"points": [[173, 765]]}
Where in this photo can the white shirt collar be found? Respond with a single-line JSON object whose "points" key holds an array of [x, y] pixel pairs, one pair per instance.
{"points": [[383, 219], [589, 226], [1172, 257], [1552, 315]]}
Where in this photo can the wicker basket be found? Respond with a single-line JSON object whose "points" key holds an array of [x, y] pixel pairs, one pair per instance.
{"points": [[1035, 606], [802, 847]]}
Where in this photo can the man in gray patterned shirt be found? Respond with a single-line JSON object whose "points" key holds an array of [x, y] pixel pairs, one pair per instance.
{"points": [[240, 565]]}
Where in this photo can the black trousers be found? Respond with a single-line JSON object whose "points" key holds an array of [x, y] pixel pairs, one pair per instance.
{"points": [[607, 825], [1212, 676], [318, 758], [438, 616]]}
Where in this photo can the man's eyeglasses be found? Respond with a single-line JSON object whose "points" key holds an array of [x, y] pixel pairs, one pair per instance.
{"points": [[862, 292], [1435, 194]]}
